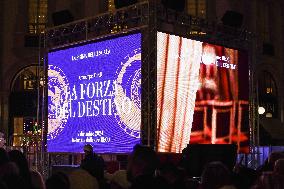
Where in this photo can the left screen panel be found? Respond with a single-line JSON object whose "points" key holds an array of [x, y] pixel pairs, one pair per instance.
{"points": [[94, 96]]}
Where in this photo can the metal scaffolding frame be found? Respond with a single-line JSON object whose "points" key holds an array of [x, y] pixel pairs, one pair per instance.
{"points": [[147, 17]]}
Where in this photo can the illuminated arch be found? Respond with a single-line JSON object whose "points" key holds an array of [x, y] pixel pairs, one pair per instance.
{"points": [[27, 78]]}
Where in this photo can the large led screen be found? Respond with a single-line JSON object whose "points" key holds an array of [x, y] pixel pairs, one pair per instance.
{"points": [[94, 96], [202, 94]]}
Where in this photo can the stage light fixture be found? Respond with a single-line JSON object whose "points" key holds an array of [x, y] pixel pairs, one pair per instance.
{"points": [[268, 114], [261, 110]]}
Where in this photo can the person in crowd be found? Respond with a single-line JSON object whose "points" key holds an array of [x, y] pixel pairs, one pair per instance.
{"points": [[3, 185], [14, 182], [216, 176], [172, 175], [279, 167], [269, 180], [37, 180], [94, 165], [243, 177], [271, 172], [9, 169], [142, 164], [269, 163], [119, 180], [9, 173], [4, 158], [31, 178], [20, 160], [58, 180], [10, 177], [82, 179], [192, 183]]}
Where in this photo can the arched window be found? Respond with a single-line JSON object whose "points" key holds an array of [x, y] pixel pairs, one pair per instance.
{"points": [[27, 79], [267, 94], [24, 104]]}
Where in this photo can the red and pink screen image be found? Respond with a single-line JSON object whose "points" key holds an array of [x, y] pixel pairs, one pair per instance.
{"points": [[202, 94]]}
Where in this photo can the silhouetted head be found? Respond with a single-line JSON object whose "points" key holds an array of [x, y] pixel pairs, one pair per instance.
{"points": [[279, 167], [3, 185], [20, 160], [9, 169], [273, 157], [269, 180], [58, 181], [215, 175], [142, 161], [169, 172], [88, 149]]}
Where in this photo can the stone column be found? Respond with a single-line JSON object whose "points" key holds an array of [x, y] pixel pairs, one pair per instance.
{"points": [[4, 113]]}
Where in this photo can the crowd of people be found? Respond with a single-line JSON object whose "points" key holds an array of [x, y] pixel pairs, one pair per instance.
{"points": [[144, 171], [15, 172]]}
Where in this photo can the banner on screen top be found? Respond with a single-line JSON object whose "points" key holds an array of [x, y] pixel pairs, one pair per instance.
{"points": [[94, 96]]}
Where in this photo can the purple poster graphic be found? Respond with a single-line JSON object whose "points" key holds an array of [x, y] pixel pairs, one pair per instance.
{"points": [[94, 96]]}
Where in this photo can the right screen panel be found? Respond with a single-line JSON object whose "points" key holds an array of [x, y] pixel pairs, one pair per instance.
{"points": [[202, 94]]}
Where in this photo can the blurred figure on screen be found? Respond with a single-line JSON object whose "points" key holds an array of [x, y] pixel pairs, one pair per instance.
{"points": [[208, 74], [218, 82]]}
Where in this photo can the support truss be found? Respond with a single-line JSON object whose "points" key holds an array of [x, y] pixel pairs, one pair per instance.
{"points": [[148, 18]]}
